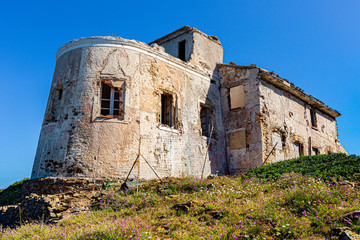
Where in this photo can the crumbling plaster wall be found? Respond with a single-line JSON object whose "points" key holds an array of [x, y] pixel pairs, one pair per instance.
{"points": [[80, 143], [207, 53], [243, 119], [290, 117], [171, 45], [201, 50]]}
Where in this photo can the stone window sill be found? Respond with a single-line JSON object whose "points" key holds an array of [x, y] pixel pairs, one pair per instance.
{"points": [[168, 129], [110, 120]]}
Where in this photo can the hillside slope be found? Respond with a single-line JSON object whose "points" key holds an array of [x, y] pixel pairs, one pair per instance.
{"points": [[288, 206]]}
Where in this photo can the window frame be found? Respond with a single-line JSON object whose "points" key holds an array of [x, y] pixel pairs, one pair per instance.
{"points": [[301, 149], [315, 151], [167, 110], [313, 118], [209, 118], [112, 100]]}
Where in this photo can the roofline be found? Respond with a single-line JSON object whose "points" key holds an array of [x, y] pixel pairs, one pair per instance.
{"points": [[181, 31], [140, 47], [289, 87]]}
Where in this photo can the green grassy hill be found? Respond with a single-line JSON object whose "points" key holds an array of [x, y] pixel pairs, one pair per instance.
{"points": [[336, 166], [288, 200]]}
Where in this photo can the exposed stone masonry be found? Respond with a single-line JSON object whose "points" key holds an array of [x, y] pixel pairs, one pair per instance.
{"points": [[107, 93], [47, 200]]}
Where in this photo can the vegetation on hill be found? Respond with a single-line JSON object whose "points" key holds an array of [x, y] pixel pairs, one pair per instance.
{"points": [[336, 166], [282, 206], [12, 194]]}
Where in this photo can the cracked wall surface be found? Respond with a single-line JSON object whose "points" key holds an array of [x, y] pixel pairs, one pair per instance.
{"points": [[256, 116], [290, 118], [242, 128], [82, 143], [273, 122]]}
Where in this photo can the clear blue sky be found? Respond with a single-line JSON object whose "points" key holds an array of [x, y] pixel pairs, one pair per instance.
{"points": [[314, 44]]}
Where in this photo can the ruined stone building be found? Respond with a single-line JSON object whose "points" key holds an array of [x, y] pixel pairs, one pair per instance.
{"points": [[176, 95]]}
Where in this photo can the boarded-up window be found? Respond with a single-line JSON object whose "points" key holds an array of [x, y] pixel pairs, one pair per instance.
{"points": [[277, 141], [167, 110], [237, 139], [237, 98], [206, 118], [298, 149], [112, 99]]}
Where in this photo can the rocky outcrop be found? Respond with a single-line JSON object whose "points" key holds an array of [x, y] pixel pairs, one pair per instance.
{"points": [[48, 200]]}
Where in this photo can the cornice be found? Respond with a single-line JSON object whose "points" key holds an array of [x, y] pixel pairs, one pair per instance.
{"points": [[117, 42]]}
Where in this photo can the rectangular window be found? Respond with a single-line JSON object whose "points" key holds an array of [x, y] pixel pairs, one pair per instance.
{"points": [[111, 100], [206, 118], [167, 109], [237, 97], [277, 141], [298, 149], [313, 117], [315, 151], [182, 50]]}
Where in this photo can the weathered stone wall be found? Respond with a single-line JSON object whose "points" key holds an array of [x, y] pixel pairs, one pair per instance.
{"points": [[250, 108], [201, 50], [207, 53], [271, 115], [47, 200], [243, 154], [290, 117], [171, 44], [78, 142]]}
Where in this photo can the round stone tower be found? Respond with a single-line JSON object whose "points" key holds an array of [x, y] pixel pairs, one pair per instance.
{"points": [[107, 93]]}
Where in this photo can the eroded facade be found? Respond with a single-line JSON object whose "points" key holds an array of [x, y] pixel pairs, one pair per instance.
{"points": [[176, 103]]}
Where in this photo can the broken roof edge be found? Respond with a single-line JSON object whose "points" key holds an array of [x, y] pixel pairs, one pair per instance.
{"points": [[141, 47], [289, 87], [181, 31]]}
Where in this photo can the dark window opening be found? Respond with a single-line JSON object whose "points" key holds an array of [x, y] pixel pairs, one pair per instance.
{"points": [[167, 110], [315, 151], [111, 101], [60, 94], [56, 105], [206, 118], [283, 140], [298, 149], [182, 50], [313, 118]]}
